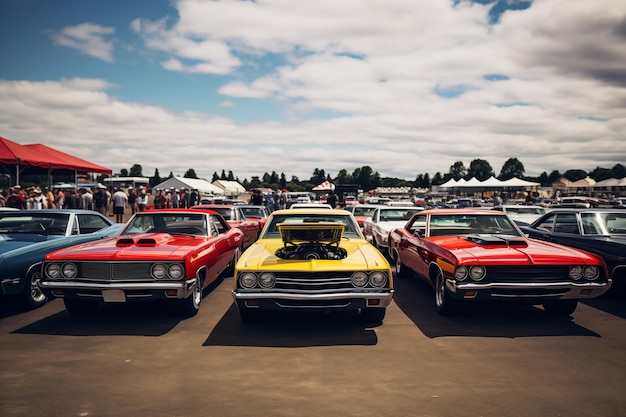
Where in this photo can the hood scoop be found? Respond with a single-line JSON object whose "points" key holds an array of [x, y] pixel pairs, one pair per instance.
{"points": [[496, 240], [143, 240]]}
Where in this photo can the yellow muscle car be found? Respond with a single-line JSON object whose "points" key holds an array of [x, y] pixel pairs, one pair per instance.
{"points": [[312, 259]]}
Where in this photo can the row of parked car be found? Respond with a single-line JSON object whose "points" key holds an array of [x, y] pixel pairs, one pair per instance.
{"points": [[310, 258]]}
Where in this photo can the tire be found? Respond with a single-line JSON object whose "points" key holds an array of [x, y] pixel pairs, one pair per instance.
{"points": [[189, 306], [445, 304], [561, 308], [373, 315], [79, 306], [400, 269], [33, 296]]}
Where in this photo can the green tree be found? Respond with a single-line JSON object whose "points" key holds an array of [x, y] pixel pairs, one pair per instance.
{"points": [[156, 178], [512, 168], [319, 176], [215, 177], [457, 170], [124, 172], [554, 176], [480, 169], [282, 182], [135, 171], [190, 173], [438, 179], [619, 171], [223, 176], [575, 174], [231, 176]]}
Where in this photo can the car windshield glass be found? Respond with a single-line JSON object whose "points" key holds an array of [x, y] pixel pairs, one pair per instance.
{"points": [[253, 211], [397, 214], [364, 211], [350, 226], [604, 223], [465, 224], [187, 224], [49, 224]]}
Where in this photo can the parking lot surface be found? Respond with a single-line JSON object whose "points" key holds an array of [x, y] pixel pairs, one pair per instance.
{"points": [[142, 360]]}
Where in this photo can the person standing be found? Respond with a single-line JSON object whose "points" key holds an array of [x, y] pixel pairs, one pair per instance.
{"points": [[86, 199], [142, 200], [119, 201], [132, 200], [100, 201]]}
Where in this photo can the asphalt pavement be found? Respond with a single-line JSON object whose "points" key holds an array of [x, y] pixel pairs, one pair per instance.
{"points": [[142, 360]]}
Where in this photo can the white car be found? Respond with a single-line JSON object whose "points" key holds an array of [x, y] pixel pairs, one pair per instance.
{"points": [[385, 219], [310, 206], [520, 213]]}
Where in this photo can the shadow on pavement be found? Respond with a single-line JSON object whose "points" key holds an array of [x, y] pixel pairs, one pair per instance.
{"points": [[611, 305], [292, 330], [132, 319], [416, 299]]}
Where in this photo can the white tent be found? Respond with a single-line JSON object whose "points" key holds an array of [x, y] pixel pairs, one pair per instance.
{"points": [[203, 186], [230, 187], [518, 182]]}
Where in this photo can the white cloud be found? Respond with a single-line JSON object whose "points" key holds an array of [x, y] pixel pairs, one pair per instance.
{"points": [[372, 69], [88, 38]]}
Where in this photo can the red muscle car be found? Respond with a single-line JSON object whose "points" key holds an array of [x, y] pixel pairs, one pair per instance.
{"points": [[471, 254], [168, 254], [235, 217]]}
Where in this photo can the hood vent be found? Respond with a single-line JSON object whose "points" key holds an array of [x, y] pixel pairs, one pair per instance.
{"points": [[496, 240]]}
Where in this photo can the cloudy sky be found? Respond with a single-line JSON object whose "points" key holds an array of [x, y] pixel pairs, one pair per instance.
{"points": [[404, 86]]}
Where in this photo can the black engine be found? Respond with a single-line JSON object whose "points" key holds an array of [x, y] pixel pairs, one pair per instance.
{"points": [[307, 251]]}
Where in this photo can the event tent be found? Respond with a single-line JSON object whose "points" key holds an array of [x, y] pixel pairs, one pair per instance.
{"points": [[44, 157], [325, 186], [489, 183], [203, 186]]}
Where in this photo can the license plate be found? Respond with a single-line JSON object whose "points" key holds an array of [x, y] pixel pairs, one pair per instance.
{"points": [[113, 296]]}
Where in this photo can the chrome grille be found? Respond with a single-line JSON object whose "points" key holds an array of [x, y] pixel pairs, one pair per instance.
{"points": [[316, 283], [545, 274], [114, 271]]}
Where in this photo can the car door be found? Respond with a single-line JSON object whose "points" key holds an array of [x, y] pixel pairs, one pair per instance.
{"points": [[411, 245]]}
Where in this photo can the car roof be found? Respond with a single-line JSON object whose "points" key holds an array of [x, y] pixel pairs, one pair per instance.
{"points": [[302, 211], [463, 211]]}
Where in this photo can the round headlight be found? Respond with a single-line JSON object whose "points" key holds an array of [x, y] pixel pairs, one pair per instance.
{"points": [[575, 272], [359, 279], [248, 280], [478, 272], [461, 273], [378, 279], [69, 271], [159, 271], [591, 272], [175, 271], [267, 280], [53, 271]]}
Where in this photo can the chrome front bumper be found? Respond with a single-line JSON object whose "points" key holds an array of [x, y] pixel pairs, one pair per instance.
{"points": [[183, 289], [384, 298], [501, 290]]}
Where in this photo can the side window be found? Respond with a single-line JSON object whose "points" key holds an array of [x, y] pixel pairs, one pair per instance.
{"points": [[418, 226], [218, 225], [548, 223], [566, 223], [90, 224]]}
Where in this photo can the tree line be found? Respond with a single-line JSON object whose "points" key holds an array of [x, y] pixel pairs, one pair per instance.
{"points": [[367, 179]]}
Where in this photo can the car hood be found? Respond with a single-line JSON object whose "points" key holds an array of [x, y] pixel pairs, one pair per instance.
{"points": [[499, 249], [161, 246], [19, 243], [360, 255]]}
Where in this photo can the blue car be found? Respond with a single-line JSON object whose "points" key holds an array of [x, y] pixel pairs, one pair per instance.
{"points": [[26, 236]]}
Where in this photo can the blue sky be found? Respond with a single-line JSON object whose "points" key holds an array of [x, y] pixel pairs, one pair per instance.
{"points": [[404, 86]]}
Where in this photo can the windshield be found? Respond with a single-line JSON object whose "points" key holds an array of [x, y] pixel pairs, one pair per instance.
{"points": [[465, 224], [604, 223], [49, 224], [397, 214], [363, 211], [187, 224], [253, 211], [350, 226]]}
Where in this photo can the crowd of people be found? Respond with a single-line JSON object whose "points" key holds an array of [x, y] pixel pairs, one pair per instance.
{"points": [[87, 198]]}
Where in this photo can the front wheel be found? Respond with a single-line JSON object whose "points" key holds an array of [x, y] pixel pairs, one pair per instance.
{"points": [[400, 269], [446, 305], [561, 308], [189, 306], [33, 296]]}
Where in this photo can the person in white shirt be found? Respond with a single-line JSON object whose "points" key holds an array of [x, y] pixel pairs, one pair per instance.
{"points": [[119, 201]]}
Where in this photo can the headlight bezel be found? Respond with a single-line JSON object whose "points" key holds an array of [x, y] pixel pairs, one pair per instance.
{"points": [[378, 279], [69, 270], [359, 279], [595, 272], [58, 271], [266, 280], [158, 271], [576, 272], [241, 279]]}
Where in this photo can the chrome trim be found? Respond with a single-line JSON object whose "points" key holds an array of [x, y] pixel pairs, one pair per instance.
{"points": [[571, 289], [184, 288], [385, 298]]}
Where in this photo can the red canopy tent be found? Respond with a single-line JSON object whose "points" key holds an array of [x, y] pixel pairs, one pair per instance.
{"points": [[42, 156]]}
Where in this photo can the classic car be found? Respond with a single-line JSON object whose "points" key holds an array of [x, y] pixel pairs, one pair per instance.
{"points": [[169, 254], [522, 214], [259, 213], [313, 259], [600, 231], [235, 217], [26, 236], [361, 211], [384, 219], [473, 254]]}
